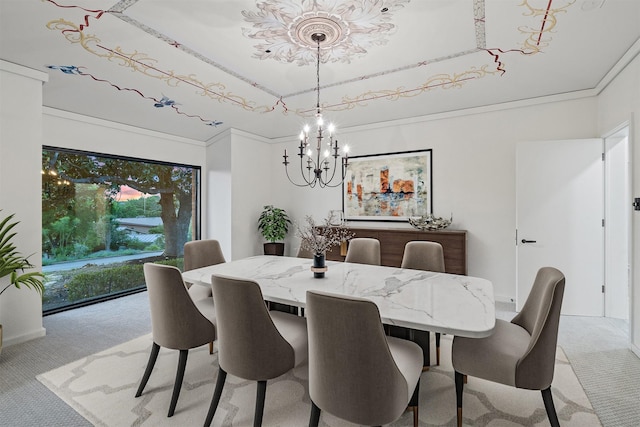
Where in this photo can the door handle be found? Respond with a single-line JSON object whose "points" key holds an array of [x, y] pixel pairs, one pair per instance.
{"points": [[528, 241]]}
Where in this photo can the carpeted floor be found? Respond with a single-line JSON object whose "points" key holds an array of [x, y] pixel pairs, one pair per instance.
{"points": [[101, 387], [24, 401], [598, 349]]}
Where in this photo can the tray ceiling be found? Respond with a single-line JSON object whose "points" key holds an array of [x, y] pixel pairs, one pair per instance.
{"points": [[195, 68]]}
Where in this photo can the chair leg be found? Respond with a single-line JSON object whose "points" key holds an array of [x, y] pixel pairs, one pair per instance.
{"points": [[222, 375], [438, 348], [549, 406], [314, 419], [177, 385], [422, 338], [414, 402], [261, 392], [155, 349], [211, 347], [459, 387]]}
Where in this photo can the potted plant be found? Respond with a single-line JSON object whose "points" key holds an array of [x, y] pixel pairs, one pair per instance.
{"points": [[12, 262], [274, 225]]}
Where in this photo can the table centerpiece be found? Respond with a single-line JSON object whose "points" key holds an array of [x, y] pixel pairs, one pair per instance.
{"points": [[318, 239]]}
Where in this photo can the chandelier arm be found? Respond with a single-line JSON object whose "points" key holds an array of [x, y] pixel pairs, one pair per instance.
{"points": [[338, 184], [335, 168], [306, 180], [303, 167], [328, 184], [333, 174], [307, 183]]}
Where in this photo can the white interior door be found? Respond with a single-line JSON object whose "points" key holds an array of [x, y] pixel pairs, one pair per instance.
{"points": [[559, 213], [617, 226]]}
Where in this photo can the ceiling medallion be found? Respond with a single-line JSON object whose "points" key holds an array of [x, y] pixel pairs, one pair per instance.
{"points": [[302, 29], [352, 27]]}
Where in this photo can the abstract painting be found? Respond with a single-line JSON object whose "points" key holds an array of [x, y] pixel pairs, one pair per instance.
{"points": [[388, 187]]}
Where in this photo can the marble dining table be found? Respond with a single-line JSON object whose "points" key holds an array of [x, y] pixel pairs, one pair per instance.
{"points": [[421, 300]]}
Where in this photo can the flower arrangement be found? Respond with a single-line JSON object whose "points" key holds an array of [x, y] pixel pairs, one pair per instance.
{"points": [[319, 239]]}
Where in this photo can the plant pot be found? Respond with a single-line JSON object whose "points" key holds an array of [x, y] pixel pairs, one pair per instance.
{"points": [[274, 248]]}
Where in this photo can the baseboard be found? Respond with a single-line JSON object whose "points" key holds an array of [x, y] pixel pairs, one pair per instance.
{"points": [[6, 342], [505, 303]]}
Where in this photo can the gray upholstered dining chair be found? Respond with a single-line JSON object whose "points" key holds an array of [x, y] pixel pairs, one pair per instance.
{"points": [[520, 353], [423, 255], [356, 372], [177, 321], [254, 344], [363, 250], [197, 254], [304, 253], [201, 253], [428, 256], [308, 253]]}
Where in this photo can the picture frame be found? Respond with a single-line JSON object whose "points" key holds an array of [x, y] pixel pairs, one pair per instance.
{"points": [[388, 186]]}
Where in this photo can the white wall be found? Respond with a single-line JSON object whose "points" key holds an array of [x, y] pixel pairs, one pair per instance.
{"points": [[251, 189], [217, 212], [68, 130], [240, 176], [20, 154], [473, 173], [619, 103]]}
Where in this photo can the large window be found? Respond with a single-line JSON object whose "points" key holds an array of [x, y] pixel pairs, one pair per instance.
{"points": [[103, 217]]}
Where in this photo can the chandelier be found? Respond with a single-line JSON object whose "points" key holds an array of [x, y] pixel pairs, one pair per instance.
{"points": [[320, 168]]}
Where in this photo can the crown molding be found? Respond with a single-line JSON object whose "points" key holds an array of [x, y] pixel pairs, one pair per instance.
{"points": [[21, 70], [118, 126]]}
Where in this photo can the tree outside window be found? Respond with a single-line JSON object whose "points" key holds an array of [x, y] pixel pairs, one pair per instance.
{"points": [[97, 208]]}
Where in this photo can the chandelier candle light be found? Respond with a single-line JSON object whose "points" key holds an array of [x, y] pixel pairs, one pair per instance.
{"points": [[318, 164]]}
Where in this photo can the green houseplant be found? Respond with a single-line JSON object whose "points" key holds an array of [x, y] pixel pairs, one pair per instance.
{"points": [[13, 264], [274, 225]]}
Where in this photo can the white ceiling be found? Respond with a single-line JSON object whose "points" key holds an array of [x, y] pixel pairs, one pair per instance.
{"points": [[195, 68]]}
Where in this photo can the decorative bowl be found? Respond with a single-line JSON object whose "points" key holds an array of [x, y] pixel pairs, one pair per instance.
{"points": [[429, 222]]}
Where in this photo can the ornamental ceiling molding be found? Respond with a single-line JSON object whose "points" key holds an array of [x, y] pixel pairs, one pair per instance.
{"points": [[157, 103], [149, 67], [352, 27], [286, 28], [442, 81], [535, 40], [118, 11], [144, 64]]}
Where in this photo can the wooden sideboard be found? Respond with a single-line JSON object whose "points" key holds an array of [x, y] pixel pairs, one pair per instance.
{"points": [[392, 241]]}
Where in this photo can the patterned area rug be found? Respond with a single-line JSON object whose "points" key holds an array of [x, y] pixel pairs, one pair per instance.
{"points": [[101, 388]]}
